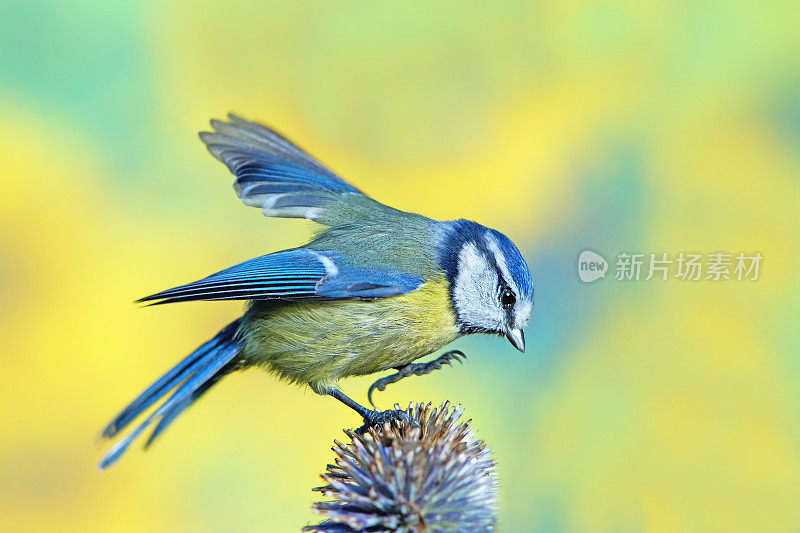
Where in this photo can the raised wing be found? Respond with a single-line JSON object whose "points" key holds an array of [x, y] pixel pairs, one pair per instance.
{"points": [[299, 274], [274, 174]]}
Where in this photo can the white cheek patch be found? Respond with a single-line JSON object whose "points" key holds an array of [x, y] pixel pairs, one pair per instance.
{"points": [[523, 309], [474, 290]]}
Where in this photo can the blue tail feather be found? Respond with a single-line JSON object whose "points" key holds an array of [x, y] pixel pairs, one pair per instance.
{"points": [[192, 377], [167, 382], [173, 413]]}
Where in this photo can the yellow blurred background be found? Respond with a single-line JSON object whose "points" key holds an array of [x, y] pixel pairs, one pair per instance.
{"points": [[613, 126]]}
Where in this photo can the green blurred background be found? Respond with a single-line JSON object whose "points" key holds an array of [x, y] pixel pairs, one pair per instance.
{"points": [[615, 126]]}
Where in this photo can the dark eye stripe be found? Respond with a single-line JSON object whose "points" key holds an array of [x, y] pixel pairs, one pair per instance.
{"points": [[502, 281]]}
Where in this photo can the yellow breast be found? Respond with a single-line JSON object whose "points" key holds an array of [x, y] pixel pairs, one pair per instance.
{"points": [[319, 342]]}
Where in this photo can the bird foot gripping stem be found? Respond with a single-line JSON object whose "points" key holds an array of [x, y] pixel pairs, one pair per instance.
{"points": [[415, 369], [379, 418], [372, 418]]}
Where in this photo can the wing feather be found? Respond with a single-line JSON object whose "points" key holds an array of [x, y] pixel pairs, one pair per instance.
{"points": [[299, 274], [274, 174]]}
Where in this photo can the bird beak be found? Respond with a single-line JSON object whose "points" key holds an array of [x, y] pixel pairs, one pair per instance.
{"points": [[517, 338]]}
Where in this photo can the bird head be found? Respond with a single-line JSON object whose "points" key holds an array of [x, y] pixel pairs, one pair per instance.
{"points": [[491, 287]]}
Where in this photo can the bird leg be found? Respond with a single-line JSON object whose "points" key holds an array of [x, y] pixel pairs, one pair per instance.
{"points": [[415, 369], [372, 418]]}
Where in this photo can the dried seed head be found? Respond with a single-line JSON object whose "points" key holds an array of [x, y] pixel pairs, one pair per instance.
{"points": [[437, 477]]}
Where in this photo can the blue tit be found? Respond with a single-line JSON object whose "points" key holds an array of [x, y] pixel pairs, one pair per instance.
{"points": [[376, 288]]}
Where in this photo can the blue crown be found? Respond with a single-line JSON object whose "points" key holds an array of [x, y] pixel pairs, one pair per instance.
{"points": [[458, 232]]}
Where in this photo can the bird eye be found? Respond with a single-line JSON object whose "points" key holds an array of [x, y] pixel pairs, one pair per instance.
{"points": [[507, 298]]}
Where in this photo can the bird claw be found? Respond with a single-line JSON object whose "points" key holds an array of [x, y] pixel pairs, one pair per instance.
{"points": [[379, 418], [382, 383], [415, 369]]}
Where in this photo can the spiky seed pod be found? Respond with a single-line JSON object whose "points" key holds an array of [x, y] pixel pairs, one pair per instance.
{"points": [[434, 478]]}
